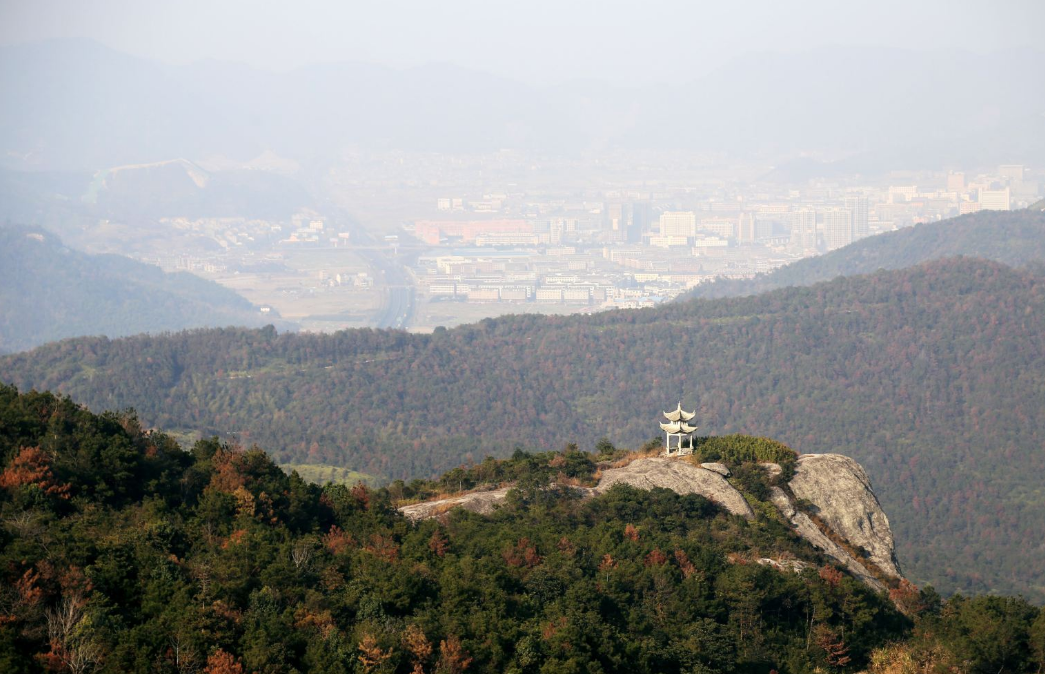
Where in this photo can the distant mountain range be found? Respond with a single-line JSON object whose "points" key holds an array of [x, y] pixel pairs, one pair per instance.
{"points": [[121, 207], [50, 292], [1015, 238], [74, 104]]}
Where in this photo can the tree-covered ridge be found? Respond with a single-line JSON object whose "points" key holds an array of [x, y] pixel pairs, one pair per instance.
{"points": [[49, 292], [1014, 238], [931, 377], [120, 552]]}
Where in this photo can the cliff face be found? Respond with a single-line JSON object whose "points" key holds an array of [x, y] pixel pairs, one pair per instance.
{"points": [[853, 530], [839, 489]]}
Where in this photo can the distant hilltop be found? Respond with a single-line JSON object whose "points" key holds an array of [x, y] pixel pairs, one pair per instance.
{"points": [[50, 292], [1011, 237], [826, 498]]}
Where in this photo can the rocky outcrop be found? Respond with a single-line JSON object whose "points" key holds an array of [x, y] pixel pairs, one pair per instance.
{"points": [[719, 468], [839, 489], [808, 530], [482, 502], [836, 486], [679, 476], [792, 565]]}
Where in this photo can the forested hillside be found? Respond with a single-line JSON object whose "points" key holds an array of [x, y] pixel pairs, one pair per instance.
{"points": [[120, 552], [1013, 237], [932, 377], [50, 292]]}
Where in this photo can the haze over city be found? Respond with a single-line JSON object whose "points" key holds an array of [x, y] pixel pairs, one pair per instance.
{"points": [[417, 165]]}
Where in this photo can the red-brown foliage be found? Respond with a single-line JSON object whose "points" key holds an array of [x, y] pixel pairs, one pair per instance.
{"points": [[523, 554], [32, 466], [221, 662]]}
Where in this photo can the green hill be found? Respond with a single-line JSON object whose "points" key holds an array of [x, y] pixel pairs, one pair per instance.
{"points": [[50, 292], [123, 553], [1015, 238], [932, 377]]}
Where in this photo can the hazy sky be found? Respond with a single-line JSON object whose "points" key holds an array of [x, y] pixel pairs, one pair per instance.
{"points": [[541, 41]]}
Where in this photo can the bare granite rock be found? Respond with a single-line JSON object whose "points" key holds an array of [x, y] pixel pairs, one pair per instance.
{"points": [[681, 477], [482, 502], [841, 492], [810, 532], [719, 468], [782, 502], [792, 565]]}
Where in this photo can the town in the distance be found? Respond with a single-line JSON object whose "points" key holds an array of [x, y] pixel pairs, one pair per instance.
{"points": [[439, 240]]}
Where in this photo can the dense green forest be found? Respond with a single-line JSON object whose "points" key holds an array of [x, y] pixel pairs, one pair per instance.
{"points": [[122, 552], [49, 292], [932, 377], [1015, 238]]}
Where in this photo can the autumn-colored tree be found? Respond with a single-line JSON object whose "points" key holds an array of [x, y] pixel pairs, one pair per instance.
{"points": [[438, 543], [221, 662], [836, 653], [631, 532], [371, 654], [337, 541], [361, 494], [453, 659], [907, 598], [383, 547], [419, 647], [656, 558], [831, 575], [32, 466], [685, 565], [522, 554], [227, 476]]}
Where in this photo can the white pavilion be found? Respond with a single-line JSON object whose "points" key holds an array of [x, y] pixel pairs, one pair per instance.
{"points": [[677, 427]]}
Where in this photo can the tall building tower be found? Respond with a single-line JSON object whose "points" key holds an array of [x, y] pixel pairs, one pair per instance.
{"points": [[678, 223], [995, 200], [956, 182], [858, 208], [746, 228], [641, 221], [803, 228], [838, 227], [616, 219]]}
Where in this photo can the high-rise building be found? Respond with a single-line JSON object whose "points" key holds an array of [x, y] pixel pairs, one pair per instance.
{"points": [[995, 200], [956, 182], [721, 227], [678, 223], [902, 193], [858, 208], [803, 228], [641, 221], [837, 225], [617, 219], [746, 228]]}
